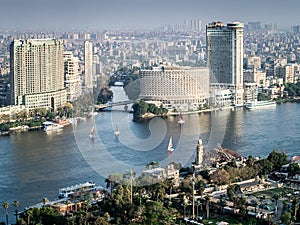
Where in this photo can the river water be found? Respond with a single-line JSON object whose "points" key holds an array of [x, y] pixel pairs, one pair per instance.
{"points": [[35, 165]]}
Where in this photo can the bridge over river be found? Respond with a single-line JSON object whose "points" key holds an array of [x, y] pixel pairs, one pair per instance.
{"points": [[106, 105]]}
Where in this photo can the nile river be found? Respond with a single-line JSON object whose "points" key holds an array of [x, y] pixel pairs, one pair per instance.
{"points": [[35, 165]]}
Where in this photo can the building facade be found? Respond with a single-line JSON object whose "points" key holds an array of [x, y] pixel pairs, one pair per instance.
{"points": [[250, 92], [88, 65], [224, 44], [37, 73], [182, 88], [72, 77]]}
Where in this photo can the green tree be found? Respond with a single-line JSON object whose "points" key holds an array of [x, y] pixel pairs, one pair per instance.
{"points": [[220, 177], [101, 221], [293, 169], [105, 95], [157, 213], [266, 166], [277, 159], [140, 108], [286, 217], [233, 190], [239, 202]]}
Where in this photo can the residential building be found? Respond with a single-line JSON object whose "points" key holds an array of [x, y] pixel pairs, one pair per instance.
{"points": [[88, 65], [224, 45], [254, 62], [250, 92], [156, 175], [72, 77], [37, 73], [182, 88]]}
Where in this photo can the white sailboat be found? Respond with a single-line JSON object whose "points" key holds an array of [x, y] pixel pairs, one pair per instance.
{"points": [[170, 146], [117, 132], [181, 120], [92, 133]]}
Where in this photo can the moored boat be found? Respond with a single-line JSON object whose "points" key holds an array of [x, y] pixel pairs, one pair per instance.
{"points": [[259, 104], [49, 126], [74, 190]]}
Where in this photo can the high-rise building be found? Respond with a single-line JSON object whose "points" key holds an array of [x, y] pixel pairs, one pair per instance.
{"points": [[88, 65], [72, 78], [37, 73], [225, 57]]}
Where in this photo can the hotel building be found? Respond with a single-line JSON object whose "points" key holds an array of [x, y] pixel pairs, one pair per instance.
{"points": [[225, 59], [88, 65], [72, 78], [182, 88], [37, 73]]}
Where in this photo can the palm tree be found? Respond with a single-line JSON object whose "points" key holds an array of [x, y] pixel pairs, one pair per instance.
{"points": [[184, 204], [255, 204], [16, 205], [207, 198], [198, 203], [276, 198], [296, 205], [223, 203], [5, 206]]}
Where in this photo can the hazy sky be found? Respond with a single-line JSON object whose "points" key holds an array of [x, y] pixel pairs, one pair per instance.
{"points": [[142, 13]]}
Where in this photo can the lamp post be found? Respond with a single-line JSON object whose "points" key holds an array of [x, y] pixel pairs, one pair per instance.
{"points": [[193, 185]]}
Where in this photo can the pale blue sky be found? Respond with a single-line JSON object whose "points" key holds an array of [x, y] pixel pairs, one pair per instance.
{"points": [[142, 13]]}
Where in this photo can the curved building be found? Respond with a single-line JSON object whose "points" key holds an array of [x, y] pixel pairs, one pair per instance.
{"points": [[182, 88]]}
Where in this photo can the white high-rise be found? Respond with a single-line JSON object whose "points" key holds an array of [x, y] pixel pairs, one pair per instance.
{"points": [[37, 73], [72, 78], [225, 57], [88, 65]]}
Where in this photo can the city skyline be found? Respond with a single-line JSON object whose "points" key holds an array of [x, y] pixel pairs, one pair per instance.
{"points": [[130, 14]]}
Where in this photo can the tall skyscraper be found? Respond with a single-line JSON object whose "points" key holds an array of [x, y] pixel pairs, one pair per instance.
{"points": [[72, 78], [88, 65], [225, 56], [37, 73]]}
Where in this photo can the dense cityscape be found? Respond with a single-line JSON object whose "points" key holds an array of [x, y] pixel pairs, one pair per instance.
{"points": [[49, 80]]}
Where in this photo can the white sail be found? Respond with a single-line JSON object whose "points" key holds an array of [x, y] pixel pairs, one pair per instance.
{"points": [[181, 120], [170, 146], [92, 132], [117, 132]]}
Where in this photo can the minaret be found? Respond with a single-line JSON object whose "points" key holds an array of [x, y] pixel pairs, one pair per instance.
{"points": [[199, 158]]}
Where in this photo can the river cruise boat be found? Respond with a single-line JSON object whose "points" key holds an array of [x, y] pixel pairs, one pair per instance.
{"points": [[49, 126], [259, 104], [75, 190]]}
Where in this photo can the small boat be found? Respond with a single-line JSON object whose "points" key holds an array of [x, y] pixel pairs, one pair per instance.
{"points": [[117, 132], [49, 126], [92, 133], [170, 147], [181, 120]]}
